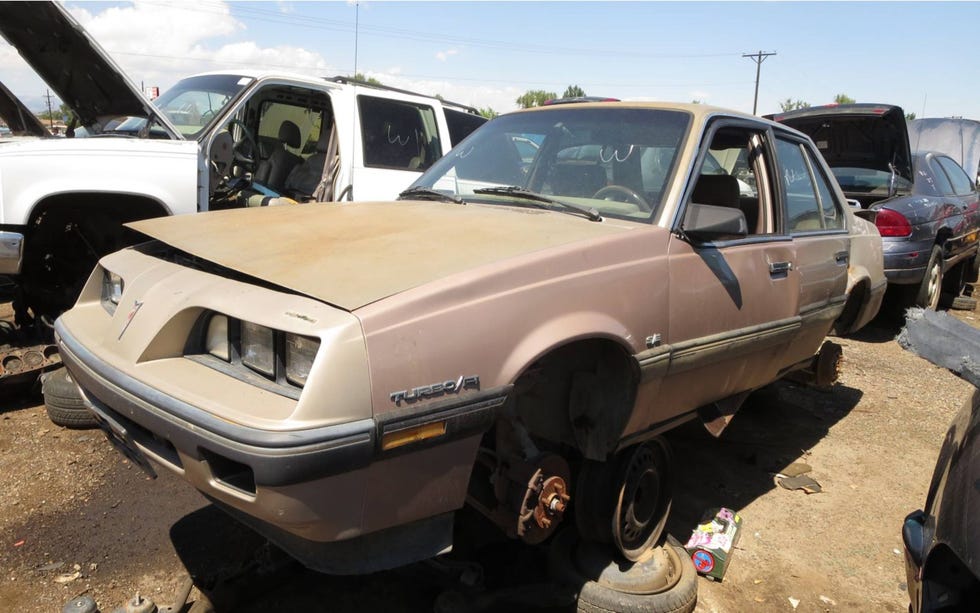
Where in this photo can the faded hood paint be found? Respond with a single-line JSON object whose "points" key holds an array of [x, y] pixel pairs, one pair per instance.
{"points": [[350, 255]]}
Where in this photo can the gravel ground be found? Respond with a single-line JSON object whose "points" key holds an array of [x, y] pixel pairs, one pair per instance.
{"points": [[76, 518]]}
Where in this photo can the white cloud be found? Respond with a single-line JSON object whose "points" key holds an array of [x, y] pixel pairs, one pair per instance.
{"points": [[442, 56]]}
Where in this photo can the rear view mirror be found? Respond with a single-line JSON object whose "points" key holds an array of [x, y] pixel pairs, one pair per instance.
{"points": [[705, 223]]}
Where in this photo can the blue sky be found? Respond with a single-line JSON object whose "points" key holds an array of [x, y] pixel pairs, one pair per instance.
{"points": [[919, 55]]}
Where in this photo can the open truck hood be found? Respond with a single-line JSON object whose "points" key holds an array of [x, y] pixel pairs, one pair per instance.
{"points": [[72, 64], [872, 136], [19, 118], [351, 255]]}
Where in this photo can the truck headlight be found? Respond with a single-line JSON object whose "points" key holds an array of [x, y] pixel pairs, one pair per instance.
{"points": [[112, 289], [258, 348], [300, 351]]}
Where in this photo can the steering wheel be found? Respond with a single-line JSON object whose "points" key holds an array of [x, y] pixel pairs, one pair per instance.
{"points": [[243, 155], [622, 190]]}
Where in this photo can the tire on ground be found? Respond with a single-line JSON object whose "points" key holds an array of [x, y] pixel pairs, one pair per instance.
{"points": [[63, 402], [930, 289], [680, 597]]}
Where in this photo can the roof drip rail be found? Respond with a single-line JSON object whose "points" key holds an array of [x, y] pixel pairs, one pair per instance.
{"points": [[353, 81]]}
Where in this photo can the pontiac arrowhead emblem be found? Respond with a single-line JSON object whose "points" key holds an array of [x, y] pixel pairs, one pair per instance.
{"points": [[137, 305]]}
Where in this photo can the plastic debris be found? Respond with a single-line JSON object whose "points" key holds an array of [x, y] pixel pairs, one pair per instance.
{"points": [[794, 601], [828, 600], [801, 482], [67, 577]]}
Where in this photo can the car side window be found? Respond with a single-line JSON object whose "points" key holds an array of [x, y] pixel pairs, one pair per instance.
{"points": [[804, 212], [942, 181], [961, 183], [833, 214], [399, 135], [732, 175]]}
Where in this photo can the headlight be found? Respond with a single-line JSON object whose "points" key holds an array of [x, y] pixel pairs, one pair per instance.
{"points": [[112, 289], [300, 351], [258, 348], [216, 342]]}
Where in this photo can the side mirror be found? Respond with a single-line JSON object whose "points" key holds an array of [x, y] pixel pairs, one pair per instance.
{"points": [[705, 223]]}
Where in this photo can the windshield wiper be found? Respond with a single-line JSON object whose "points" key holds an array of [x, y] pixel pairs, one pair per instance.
{"points": [[525, 194], [425, 193]]}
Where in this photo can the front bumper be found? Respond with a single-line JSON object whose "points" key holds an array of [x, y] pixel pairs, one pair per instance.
{"points": [[305, 490], [11, 252]]}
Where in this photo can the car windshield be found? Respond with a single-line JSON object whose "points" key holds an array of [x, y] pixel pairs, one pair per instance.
{"points": [[193, 103], [618, 161]]}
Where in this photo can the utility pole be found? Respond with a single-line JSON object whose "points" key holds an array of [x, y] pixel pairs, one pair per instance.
{"points": [[47, 94], [758, 58]]}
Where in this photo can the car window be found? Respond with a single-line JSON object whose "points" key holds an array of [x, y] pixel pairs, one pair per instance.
{"points": [[961, 183], [461, 124], [618, 161], [939, 175], [803, 211], [730, 176], [833, 214], [399, 135]]}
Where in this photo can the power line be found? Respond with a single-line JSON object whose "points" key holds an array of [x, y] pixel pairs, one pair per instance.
{"points": [[758, 58]]}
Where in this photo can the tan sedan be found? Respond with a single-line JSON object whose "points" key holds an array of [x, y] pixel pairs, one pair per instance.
{"points": [[566, 285]]}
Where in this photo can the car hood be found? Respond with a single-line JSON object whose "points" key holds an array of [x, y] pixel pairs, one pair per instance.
{"points": [[19, 118], [72, 64], [351, 255], [872, 136], [957, 138]]}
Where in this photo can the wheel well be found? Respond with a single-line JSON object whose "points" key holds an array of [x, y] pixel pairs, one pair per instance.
{"points": [[855, 300], [946, 569], [580, 395], [66, 236]]}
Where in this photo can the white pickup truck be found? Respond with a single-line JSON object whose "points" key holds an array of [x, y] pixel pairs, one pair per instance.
{"points": [[216, 140]]}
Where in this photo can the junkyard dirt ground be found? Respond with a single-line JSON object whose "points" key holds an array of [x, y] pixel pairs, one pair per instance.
{"points": [[75, 518]]}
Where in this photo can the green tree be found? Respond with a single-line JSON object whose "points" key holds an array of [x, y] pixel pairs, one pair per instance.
{"points": [[844, 99], [573, 91], [487, 112], [535, 97], [360, 76], [792, 105], [909, 116], [697, 101]]}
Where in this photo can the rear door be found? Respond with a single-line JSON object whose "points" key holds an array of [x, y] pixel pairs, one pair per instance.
{"points": [[814, 218]]}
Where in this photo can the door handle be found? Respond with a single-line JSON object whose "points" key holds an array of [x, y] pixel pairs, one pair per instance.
{"points": [[842, 257], [780, 269]]}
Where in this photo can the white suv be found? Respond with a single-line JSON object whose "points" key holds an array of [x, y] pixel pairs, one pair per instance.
{"points": [[216, 140]]}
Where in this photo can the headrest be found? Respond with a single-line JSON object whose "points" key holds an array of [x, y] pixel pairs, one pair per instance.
{"points": [[289, 134], [716, 190]]}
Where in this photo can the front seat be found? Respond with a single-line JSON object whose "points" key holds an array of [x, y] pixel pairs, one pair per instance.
{"points": [[272, 172], [315, 176]]}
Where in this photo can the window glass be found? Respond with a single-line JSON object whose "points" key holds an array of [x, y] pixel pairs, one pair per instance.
{"points": [[833, 217], [399, 135], [803, 212], [942, 181], [728, 176], [617, 161], [961, 182], [461, 124]]}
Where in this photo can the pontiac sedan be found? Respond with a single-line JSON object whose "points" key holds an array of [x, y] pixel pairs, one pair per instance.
{"points": [[514, 335]]}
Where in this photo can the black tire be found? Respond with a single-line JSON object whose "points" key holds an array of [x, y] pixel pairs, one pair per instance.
{"points": [[963, 303], [930, 290], [64, 404], [679, 596]]}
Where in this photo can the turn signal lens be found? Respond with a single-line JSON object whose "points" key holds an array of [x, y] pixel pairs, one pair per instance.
{"points": [[892, 223], [300, 352], [258, 348], [112, 289], [216, 341]]}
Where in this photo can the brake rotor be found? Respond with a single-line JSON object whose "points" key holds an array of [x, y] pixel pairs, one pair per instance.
{"points": [[545, 498]]}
